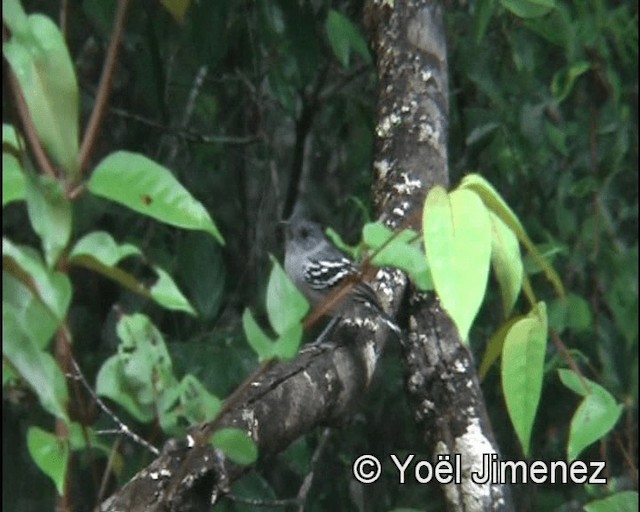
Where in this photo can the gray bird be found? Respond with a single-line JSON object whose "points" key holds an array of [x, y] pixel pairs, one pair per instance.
{"points": [[318, 268]]}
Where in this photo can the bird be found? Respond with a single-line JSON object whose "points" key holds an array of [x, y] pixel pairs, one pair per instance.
{"points": [[318, 268]]}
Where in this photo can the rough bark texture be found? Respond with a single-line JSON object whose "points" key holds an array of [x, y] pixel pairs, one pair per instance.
{"points": [[411, 157], [319, 387]]}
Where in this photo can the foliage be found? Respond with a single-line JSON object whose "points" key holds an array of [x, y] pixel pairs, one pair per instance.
{"points": [[214, 107]]}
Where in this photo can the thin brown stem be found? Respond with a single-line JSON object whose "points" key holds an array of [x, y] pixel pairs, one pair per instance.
{"points": [[39, 154], [567, 357], [104, 90], [63, 357]]}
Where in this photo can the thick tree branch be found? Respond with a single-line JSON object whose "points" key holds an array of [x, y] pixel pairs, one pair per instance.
{"points": [[319, 387]]}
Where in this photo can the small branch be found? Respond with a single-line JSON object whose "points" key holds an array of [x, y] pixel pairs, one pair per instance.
{"points": [[308, 480], [567, 357], [31, 134], [104, 90], [107, 470], [122, 428], [64, 16], [262, 503], [187, 135]]}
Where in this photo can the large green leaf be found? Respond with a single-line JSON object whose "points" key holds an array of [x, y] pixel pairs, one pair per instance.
{"points": [[50, 215], [37, 321], [494, 346], [35, 366], [99, 251], [51, 287], [140, 376], [507, 262], [286, 306], [51, 455], [523, 369], [457, 238], [141, 184], [103, 247], [596, 415], [40, 60], [497, 205]]}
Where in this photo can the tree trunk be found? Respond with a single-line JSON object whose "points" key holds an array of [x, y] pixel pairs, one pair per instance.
{"points": [[411, 157]]}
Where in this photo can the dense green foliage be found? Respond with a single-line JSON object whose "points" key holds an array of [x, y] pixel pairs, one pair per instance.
{"points": [[243, 102]]}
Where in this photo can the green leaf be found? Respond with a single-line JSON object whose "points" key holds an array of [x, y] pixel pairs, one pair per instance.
{"points": [[50, 215], [625, 501], [456, 226], [286, 306], [111, 383], [51, 287], [199, 405], [146, 187], [483, 12], [236, 445], [262, 345], [101, 246], [596, 415], [570, 312], [497, 205], [140, 376], [402, 252], [522, 371], [40, 60], [99, 251], [206, 289], [51, 455], [494, 346], [13, 181], [528, 8], [344, 247], [344, 38], [546, 253], [37, 321], [288, 343], [507, 262], [166, 293], [564, 80], [35, 366]]}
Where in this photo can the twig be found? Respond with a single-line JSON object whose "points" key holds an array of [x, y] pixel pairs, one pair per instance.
{"points": [[188, 135], [29, 128], [122, 428], [262, 503], [308, 480], [104, 90], [567, 357], [107, 470]]}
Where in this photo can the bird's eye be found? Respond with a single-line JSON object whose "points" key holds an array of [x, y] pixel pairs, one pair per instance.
{"points": [[304, 232]]}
